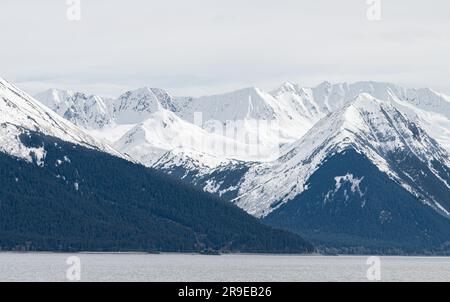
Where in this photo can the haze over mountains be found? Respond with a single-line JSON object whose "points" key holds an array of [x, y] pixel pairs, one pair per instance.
{"points": [[322, 155]]}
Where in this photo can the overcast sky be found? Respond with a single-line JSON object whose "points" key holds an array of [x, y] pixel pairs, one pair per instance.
{"points": [[198, 47]]}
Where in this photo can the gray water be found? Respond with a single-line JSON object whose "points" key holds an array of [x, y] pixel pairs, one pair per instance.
{"points": [[186, 267]]}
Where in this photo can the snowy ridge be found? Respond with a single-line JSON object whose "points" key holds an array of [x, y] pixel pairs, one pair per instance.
{"points": [[136, 106], [86, 111], [147, 122], [95, 112], [161, 132], [247, 103], [378, 120], [290, 109], [164, 131], [19, 112], [190, 160], [372, 127], [366, 161], [431, 108], [207, 172]]}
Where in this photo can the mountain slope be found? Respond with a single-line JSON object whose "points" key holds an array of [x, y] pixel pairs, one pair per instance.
{"points": [[351, 206], [206, 172], [61, 192], [372, 127], [86, 111], [283, 121], [72, 202], [430, 108], [18, 110], [272, 119], [163, 131], [135, 106], [366, 176], [380, 149]]}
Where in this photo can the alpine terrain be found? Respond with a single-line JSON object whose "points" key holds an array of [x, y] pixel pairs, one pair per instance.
{"points": [[61, 189], [355, 168]]}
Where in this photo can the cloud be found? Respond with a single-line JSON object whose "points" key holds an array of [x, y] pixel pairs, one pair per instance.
{"points": [[205, 46]]}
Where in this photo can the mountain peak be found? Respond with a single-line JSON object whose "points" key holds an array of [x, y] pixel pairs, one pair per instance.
{"points": [[324, 84], [85, 110], [134, 106], [20, 113], [286, 87], [251, 90], [242, 104], [366, 100], [324, 88], [372, 127]]}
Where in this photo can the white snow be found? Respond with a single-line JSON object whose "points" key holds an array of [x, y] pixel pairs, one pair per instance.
{"points": [[354, 181], [309, 124], [340, 181], [292, 109], [19, 111], [372, 127]]}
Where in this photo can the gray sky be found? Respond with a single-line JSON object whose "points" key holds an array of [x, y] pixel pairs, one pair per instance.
{"points": [[199, 47]]}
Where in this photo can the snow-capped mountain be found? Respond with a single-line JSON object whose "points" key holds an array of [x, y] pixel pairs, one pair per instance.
{"points": [[430, 108], [86, 111], [366, 172], [136, 106], [210, 173], [20, 112], [62, 190], [338, 147], [148, 122], [152, 122], [287, 113], [373, 128], [288, 123], [367, 176], [163, 131], [247, 103], [95, 112]]}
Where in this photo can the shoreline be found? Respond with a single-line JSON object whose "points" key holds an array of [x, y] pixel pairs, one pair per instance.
{"points": [[224, 254]]}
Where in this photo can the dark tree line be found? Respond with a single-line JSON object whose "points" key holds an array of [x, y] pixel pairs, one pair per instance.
{"points": [[82, 199]]}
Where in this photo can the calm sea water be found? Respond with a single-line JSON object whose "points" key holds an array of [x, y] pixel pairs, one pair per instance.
{"points": [[186, 267]]}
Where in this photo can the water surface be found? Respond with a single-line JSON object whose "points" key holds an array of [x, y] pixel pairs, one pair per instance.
{"points": [[187, 267]]}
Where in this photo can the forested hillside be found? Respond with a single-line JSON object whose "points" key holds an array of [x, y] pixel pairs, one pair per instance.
{"points": [[82, 199]]}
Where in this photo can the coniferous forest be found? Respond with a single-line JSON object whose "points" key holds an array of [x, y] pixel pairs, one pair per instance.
{"points": [[80, 199]]}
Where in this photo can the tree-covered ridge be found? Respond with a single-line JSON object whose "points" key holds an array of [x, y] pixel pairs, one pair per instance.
{"points": [[82, 199]]}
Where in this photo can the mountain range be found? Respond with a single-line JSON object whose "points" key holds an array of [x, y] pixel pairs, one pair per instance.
{"points": [[360, 167], [64, 190]]}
